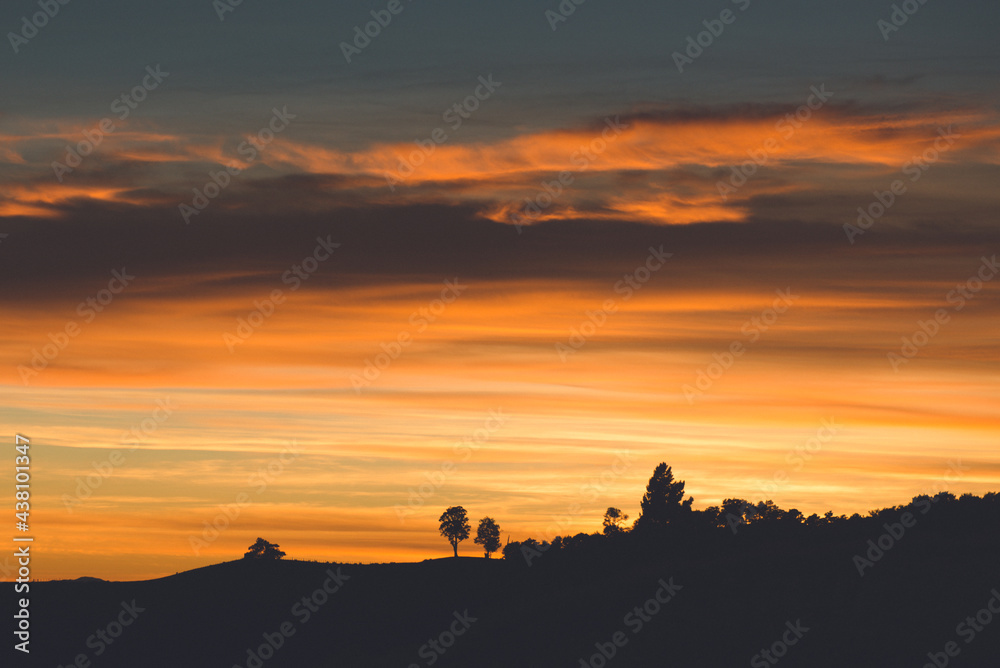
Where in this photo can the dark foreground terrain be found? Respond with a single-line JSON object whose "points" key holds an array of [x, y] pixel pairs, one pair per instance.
{"points": [[727, 597]]}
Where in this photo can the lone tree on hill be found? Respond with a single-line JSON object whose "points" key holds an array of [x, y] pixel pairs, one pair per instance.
{"points": [[264, 550], [454, 526], [488, 535], [663, 501]]}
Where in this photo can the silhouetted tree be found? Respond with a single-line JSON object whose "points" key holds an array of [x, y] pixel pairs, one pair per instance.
{"points": [[488, 535], [968, 499], [767, 511], [264, 550], [454, 526], [947, 497], [735, 512], [663, 501], [613, 520], [792, 517]]}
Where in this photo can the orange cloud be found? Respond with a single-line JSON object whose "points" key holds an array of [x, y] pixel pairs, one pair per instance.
{"points": [[657, 170]]}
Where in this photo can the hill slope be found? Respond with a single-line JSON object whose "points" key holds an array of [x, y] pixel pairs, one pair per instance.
{"points": [[728, 600]]}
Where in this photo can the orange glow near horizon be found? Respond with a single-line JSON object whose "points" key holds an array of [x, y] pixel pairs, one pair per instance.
{"points": [[347, 494]]}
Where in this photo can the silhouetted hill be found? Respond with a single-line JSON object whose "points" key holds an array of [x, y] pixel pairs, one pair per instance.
{"points": [[732, 596], [725, 586]]}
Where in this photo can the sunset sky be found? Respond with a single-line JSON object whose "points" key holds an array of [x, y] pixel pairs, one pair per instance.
{"points": [[514, 256]]}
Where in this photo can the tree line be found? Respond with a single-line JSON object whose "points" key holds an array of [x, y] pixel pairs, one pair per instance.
{"points": [[661, 505], [665, 513]]}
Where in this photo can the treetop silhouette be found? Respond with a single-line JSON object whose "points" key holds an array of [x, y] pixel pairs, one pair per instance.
{"points": [[488, 535], [614, 518], [264, 550], [455, 526], [663, 502]]}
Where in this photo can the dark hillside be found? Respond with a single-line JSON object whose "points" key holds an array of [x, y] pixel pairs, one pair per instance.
{"points": [[735, 595]]}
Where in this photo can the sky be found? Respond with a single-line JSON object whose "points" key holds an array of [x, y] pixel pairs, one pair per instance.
{"points": [[265, 274]]}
